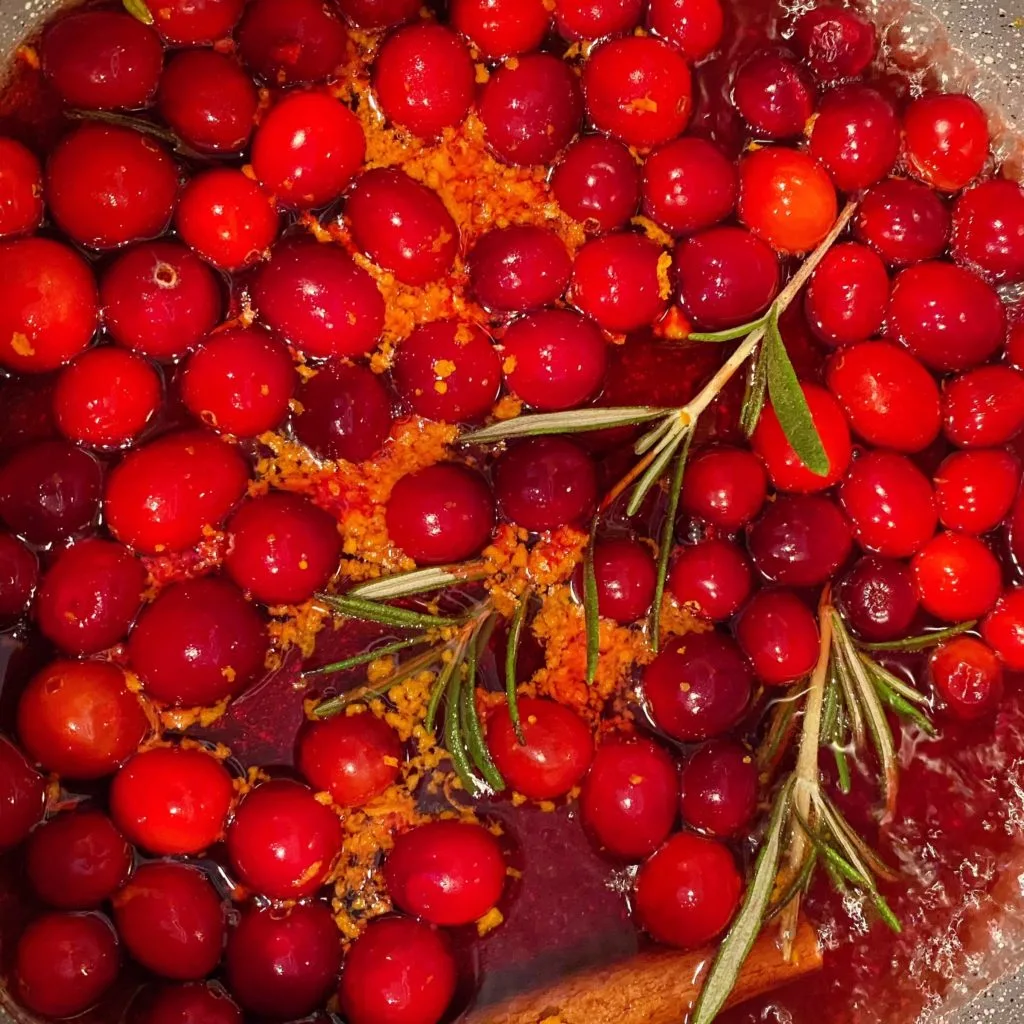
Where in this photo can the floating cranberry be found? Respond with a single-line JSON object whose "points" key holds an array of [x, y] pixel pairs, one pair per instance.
{"points": [[719, 786], [724, 486], [988, 229], [688, 185], [974, 490], [774, 94], [597, 182], [194, 21], [779, 634], [713, 578], [878, 599], [22, 796], [903, 221], [626, 578], [957, 577], [21, 189], [848, 295], [945, 140], [501, 28], [1003, 628], [968, 677], [289, 41], [192, 1003], [984, 407], [19, 573], [379, 13], [836, 41], [517, 269], [695, 26], [595, 19]]}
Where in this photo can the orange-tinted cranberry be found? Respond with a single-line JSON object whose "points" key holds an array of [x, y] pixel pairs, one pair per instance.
{"points": [[718, 786], [1003, 628], [194, 21], [594, 19], [847, 298], [836, 41], [192, 1003], [695, 26], [774, 94], [779, 634], [945, 140], [21, 189], [988, 229], [597, 182], [724, 486], [519, 268], [957, 577], [903, 221], [289, 41], [968, 677], [688, 185], [800, 540], [975, 489], [712, 577], [501, 28], [19, 574], [878, 599], [22, 795], [626, 579], [984, 407]]}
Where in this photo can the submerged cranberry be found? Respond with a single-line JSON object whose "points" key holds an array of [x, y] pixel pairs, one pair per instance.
{"points": [[289, 41], [983, 407], [593, 19], [848, 295], [988, 229], [719, 787], [836, 41], [688, 185], [800, 540], [903, 221], [597, 182], [501, 28], [1003, 628], [774, 94], [974, 490], [519, 268], [878, 599], [779, 634], [379, 13], [22, 796], [626, 578], [968, 677], [21, 189], [19, 574], [713, 578], [194, 21], [724, 486], [695, 26], [957, 577], [27, 402], [945, 140], [192, 1003]]}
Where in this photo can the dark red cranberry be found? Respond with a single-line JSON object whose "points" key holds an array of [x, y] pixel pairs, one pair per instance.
{"points": [[988, 229], [346, 412], [289, 41], [774, 95], [724, 486], [903, 221], [1013, 348], [848, 295], [379, 13], [199, 642], [443, 513], [719, 786], [21, 189], [800, 540], [79, 719], [712, 578], [501, 28], [984, 407], [878, 599], [594, 19], [27, 401], [688, 891], [779, 634], [836, 42], [519, 268], [968, 677], [698, 686], [1003, 628], [957, 577], [162, 495], [597, 182], [22, 796], [19, 573], [695, 26], [688, 185], [974, 490], [626, 579], [424, 79], [172, 800], [945, 140], [192, 1003], [194, 21]]}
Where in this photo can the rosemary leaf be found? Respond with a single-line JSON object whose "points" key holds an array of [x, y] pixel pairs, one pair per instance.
{"points": [[419, 581], [922, 642], [515, 636], [138, 9], [576, 421], [854, 712], [334, 705], [652, 437], [669, 445], [830, 709], [366, 657], [780, 728], [855, 848], [591, 614], [473, 732], [897, 703], [842, 770], [442, 686], [453, 738], [754, 394], [796, 886], [893, 681], [386, 615], [731, 334]]}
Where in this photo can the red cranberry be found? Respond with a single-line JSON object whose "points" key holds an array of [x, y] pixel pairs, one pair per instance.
{"points": [[957, 577], [800, 540], [346, 412], [638, 90], [903, 221], [194, 21], [1003, 628], [688, 891], [19, 573], [724, 486], [988, 229], [698, 686], [695, 26], [945, 140], [501, 28], [79, 719], [424, 79], [64, 963], [239, 382], [398, 971], [774, 94], [836, 42], [890, 399], [193, 1003], [545, 482], [27, 402], [379, 13], [968, 677], [162, 495], [984, 407], [597, 182], [595, 19], [712, 577], [289, 41], [848, 294], [517, 269], [307, 149], [719, 787], [688, 185], [974, 490], [172, 800], [199, 642], [319, 300], [21, 189], [878, 599], [626, 579], [779, 634], [1013, 348], [107, 186], [22, 796]]}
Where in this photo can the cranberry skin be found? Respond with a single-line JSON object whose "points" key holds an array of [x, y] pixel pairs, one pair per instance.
{"points": [[785, 470], [945, 140], [890, 399], [800, 540], [194, 1003], [968, 677], [424, 79], [355, 758], [597, 182], [172, 800], [19, 573], [319, 300], [626, 579], [194, 21], [713, 577], [77, 860], [1003, 628], [48, 305], [107, 186], [22, 796], [688, 891], [779, 634], [532, 109], [283, 965], [519, 268], [21, 189], [307, 149], [289, 41], [903, 221], [595, 19], [638, 90], [162, 495], [719, 787], [988, 229], [501, 28], [957, 577], [282, 841], [398, 971], [440, 514], [79, 719], [848, 295], [878, 599], [856, 135], [629, 798], [984, 407], [836, 42], [698, 686], [171, 920], [199, 642], [974, 490], [688, 185], [545, 482], [379, 13], [346, 412], [774, 95], [695, 26], [227, 218], [102, 60], [724, 486], [402, 226], [64, 963], [27, 402]]}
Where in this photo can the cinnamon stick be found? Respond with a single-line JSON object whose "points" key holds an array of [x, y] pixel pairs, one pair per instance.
{"points": [[652, 988]]}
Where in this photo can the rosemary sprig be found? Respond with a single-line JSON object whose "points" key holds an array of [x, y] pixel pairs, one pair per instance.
{"points": [[138, 9], [374, 654], [922, 642], [591, 613], [385, 614], [515, 636], [419, 581]]}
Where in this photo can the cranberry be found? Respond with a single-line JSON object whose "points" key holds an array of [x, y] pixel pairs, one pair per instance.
{"points": [[554, 359], [903, 221], [48, 305], [800, 540], [957, 577], [283, 964], [557, 752], [988, 229], [424, 79], [501, 28], [595, 19], [724, 486], [688, 185], [890, 399], [19, 573], [712, 577], [159, 299], [517, 269], [974, 490], [698, 686], [79, 719], [836, 41], [307, 149], [984, 407], [856, 135], [289, 41], [171, 920], [27, 402], [227, 218], [968, 677], [193, 1003], [774, 94], [402, 226], [319, 300], [346, 412], [1013, 348], [199, 642], [21, 189], [22, 796], [64, 963], [695, 26], [626, 579], [779, 634], [785, 469], [848, 295], [448, 370], [239, 382], [194, 21], [719, 786], [545, 482], [597, 182], [727, 277], [172, 800], [107, 186], [638, 90], [162, 495], [688, 891], [945, 140], [355, 758], [379, 13], [77, 860], [878, 599], [1003, 628]]}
